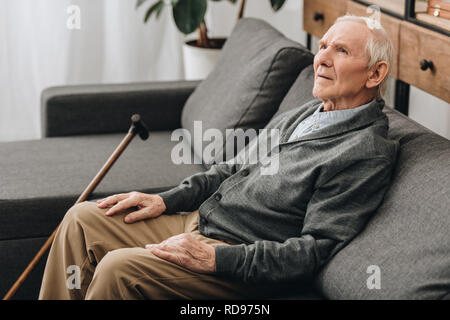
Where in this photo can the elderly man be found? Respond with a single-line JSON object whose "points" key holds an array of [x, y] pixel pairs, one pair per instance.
{"points": [[247, 235]]}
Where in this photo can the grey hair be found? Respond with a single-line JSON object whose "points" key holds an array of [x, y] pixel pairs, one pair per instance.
{"points": [[379, 47]]}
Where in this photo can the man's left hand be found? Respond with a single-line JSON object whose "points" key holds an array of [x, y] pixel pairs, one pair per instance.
{"points": [[186, 251]]}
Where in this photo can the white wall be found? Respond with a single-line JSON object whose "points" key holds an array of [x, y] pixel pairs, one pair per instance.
{"points": [[38, 50]]}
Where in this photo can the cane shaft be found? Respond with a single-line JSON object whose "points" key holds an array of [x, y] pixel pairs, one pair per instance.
{"points": [[104, 170], [89, 189]]}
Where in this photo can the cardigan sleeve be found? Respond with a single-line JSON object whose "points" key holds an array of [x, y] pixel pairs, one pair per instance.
{"points": [[337, 211], [194, 190]]}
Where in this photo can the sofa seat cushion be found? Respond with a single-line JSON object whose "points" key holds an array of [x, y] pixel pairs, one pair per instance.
{"points": [[41, 179], [255, 69], [404, 251]]}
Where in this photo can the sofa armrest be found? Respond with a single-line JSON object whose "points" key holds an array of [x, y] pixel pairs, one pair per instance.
{"points": [[107, 108]]}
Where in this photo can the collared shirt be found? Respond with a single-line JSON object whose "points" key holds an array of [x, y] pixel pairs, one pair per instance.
{"points": [[319, 120]]}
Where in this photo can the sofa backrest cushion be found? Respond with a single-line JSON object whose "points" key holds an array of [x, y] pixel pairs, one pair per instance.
{"points": [[300, 92], [255, 69], [404, 251]]}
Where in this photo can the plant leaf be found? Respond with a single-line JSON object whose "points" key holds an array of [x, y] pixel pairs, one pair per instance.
{"points": [[160, 9], [232, 1], [277, 4], [188, 14], [139, 3], [158, 6]]}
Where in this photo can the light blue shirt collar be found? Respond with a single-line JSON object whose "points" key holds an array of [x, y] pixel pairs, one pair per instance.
{"points": [[319, 120]]}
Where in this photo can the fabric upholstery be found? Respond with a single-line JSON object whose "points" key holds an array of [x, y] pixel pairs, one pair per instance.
{"points": [[107, 108], [42, 179], [408, 236], [300, 92], [16, 255], [256, 68]]}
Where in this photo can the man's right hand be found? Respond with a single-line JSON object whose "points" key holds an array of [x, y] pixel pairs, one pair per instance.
{"points": [[149, 205]]}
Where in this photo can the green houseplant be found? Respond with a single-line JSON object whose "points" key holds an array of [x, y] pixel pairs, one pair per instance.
{"points": [[189, 16], [199, 55]]}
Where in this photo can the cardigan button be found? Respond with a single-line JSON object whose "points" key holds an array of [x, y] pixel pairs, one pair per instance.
{"points": [[245, 172], [203, 221], [218, 196]]}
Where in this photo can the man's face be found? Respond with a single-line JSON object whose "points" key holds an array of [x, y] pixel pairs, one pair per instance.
{"points": [[340, 65]]}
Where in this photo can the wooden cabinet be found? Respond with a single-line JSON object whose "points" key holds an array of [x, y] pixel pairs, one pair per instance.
{"points": [[424, 60], [422, 56], [319, 15]]}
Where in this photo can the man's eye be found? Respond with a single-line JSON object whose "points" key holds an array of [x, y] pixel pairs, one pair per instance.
{"points": [[342, 50], [322, 46]]}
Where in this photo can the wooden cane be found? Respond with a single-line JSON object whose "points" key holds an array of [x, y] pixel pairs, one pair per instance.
{"points": [[137, 127]]}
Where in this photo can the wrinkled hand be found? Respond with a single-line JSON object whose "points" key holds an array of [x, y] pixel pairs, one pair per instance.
{"points": [[186, 251], [148, 205]]}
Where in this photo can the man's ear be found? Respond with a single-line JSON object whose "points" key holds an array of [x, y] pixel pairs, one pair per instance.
{"points": [[378, 72]]}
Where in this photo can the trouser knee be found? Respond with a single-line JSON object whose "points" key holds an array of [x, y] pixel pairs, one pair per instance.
{"points": [[83, 212], [114, 276]]}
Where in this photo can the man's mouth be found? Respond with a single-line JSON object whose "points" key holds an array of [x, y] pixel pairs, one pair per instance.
{"points": [[325, 77]]}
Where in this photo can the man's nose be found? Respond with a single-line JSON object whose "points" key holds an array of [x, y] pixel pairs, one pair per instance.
{"points": [[324, 57]]}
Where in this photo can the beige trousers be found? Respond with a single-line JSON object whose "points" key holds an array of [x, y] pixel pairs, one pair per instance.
{"points": [[109, 259]]}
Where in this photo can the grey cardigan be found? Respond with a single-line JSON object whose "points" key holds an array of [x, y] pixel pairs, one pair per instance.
{"points": [[286, 226]]}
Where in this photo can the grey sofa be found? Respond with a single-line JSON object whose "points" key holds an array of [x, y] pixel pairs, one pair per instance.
{"points": [[260, 74]]}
